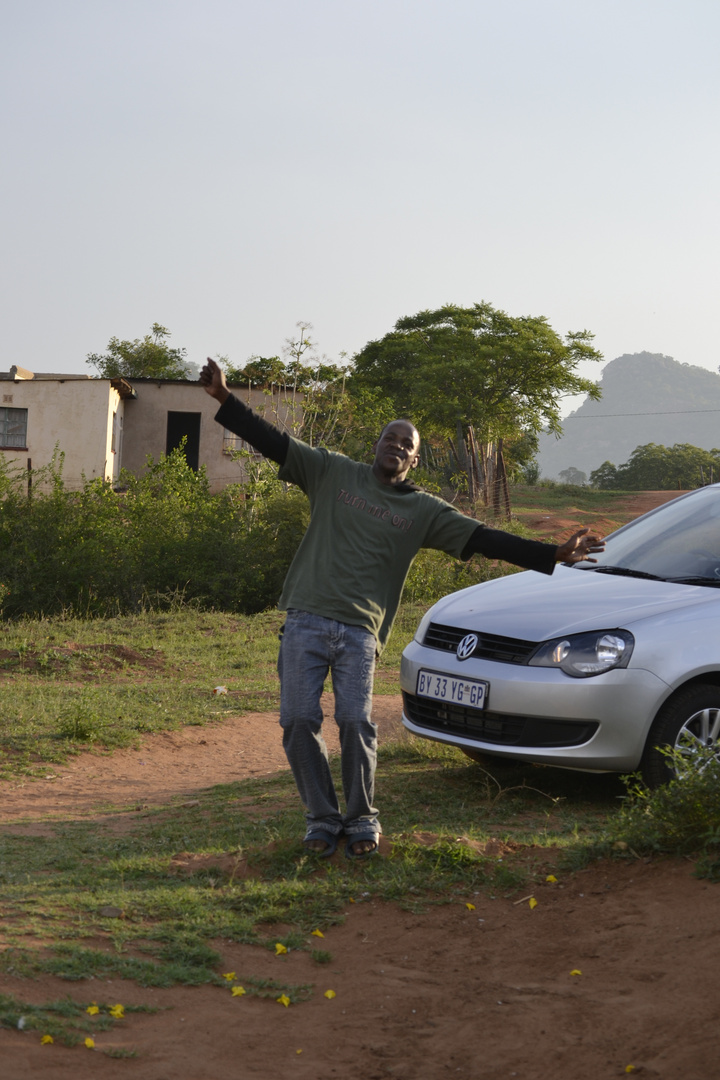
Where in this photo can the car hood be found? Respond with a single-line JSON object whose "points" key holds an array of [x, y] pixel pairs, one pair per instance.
{"points": [[535, 607]]}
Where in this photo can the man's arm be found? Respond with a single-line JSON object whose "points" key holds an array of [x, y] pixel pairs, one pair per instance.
{"points": [[531, 554], [240, 419]]}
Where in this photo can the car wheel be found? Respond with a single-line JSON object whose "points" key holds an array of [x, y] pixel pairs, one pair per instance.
{"points": [[687, 723]]}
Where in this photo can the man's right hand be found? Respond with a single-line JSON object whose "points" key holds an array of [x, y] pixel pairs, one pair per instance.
{"points": [[212, 379]]}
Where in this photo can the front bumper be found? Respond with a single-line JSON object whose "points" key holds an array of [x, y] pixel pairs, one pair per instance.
{"points": [[538, 714]]}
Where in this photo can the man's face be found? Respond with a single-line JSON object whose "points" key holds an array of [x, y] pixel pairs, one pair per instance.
{"points": [[396, 451]]}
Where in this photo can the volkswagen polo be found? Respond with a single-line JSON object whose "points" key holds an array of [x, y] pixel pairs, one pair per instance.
{"points": [[599, 667]]}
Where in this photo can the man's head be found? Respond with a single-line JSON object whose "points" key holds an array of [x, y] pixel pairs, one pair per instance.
{"points": [[396, 451]]}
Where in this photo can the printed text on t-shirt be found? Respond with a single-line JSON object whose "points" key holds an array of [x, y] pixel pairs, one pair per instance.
{"points": [[358, 503]]}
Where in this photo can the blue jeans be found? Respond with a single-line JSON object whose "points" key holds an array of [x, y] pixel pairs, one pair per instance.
{"points": [[310, 647]]}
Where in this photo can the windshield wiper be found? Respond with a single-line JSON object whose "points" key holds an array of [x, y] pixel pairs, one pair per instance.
{"points": [[695, 579], [624, 571]]}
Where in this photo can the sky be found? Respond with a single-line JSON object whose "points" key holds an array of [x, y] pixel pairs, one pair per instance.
{"points": [[230, 168]]}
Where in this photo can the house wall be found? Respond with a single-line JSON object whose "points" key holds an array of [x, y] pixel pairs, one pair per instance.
{"points": [[76, 415], [73, 414], [146, 424]]}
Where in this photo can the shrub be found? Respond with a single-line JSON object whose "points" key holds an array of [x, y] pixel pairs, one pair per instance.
{"points": [[101, 552], [679, 818]]}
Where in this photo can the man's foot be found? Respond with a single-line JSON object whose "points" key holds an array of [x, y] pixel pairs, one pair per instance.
{"points": [[361, 845], [321, 843]]}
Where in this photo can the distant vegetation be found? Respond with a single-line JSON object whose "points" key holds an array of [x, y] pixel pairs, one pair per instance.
{"points": [[660, 468]]}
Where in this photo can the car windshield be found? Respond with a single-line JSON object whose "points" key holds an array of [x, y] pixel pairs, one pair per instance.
{"points": [[677, 542]]}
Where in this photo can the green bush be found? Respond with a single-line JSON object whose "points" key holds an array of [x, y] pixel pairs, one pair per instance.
{"points": [[98, 551], [679, 818], [435, 574]]}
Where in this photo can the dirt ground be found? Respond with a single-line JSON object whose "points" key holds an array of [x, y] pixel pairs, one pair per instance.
{"points": [[612, 972]]}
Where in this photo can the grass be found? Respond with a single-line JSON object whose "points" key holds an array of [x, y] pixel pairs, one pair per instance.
{"points": [[66, 1021], [84, 899], [564, 498], [611, 508], [104, 899], [71, 684]]}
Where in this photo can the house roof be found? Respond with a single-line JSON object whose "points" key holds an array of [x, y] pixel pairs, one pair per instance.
{"points": [[123, 388], [21, 374]]}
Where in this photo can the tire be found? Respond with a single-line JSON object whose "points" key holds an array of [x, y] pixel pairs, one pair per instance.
{"points": [[687, 722]]}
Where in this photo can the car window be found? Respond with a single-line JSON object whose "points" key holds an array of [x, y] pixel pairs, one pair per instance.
{"points": [[680, 539]]}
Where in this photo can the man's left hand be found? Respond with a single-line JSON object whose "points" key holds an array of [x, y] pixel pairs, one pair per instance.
{"points": [[579, 547]]}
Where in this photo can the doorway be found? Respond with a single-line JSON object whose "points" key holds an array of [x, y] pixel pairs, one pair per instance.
{"points": [[184, 425]]}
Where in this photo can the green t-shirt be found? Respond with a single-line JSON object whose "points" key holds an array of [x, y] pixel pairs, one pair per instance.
{"points": [[363, 535]]}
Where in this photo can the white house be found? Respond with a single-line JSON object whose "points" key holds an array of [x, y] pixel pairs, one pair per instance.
{"points": [[103, 425]]}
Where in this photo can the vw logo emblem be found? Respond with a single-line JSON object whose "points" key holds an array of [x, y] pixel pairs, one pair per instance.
{"points": [[467, 646]]}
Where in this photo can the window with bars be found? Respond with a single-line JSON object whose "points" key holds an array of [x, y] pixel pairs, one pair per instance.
{"points": [[234, 442], [13, 427]]}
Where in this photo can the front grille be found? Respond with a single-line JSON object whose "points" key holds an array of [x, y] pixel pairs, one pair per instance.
{"points": [[506, 650], [494, 727]]}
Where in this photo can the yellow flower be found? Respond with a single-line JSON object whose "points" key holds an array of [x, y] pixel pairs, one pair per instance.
{"points": [[576, 971], [469, 906], [46, 1039], [229, 975], [330, 994], [317, 933], [532, 903], [279, 948], [629, 1068], [92, 1010], [117, 1012], [298, 1051], [350, 900], [551, 878], [90, 1043], [237, 991], [283, 1000]]}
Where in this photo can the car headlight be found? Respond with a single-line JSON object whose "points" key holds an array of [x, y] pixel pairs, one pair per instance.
{"points": [[583, 655]]}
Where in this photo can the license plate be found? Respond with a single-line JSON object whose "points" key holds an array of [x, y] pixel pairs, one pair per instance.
{"points": [[472, 692]]}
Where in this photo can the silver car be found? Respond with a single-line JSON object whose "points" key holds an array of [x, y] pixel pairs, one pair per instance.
{"points": [[598, 667]]}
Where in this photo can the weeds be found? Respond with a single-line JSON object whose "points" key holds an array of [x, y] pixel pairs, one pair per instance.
{"points": [[70, 684], [680, 818], [163, 536], [65, 1021]]}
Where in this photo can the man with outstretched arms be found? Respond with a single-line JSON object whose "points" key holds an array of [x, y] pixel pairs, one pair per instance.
{"points": [[341, 593]]}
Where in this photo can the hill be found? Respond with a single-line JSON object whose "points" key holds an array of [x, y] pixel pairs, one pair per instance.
{"points": [[646, 398]]}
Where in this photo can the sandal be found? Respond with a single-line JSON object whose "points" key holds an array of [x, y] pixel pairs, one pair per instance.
{"points": [[359, 838], [320, 835]]}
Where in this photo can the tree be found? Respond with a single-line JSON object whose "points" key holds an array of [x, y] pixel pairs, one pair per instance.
{"points": [[574, 476], [300, 369], [315, 390], [476, 373], [259, 372], [605, 477], [478, 366], [145, 358], [660, 468]]}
